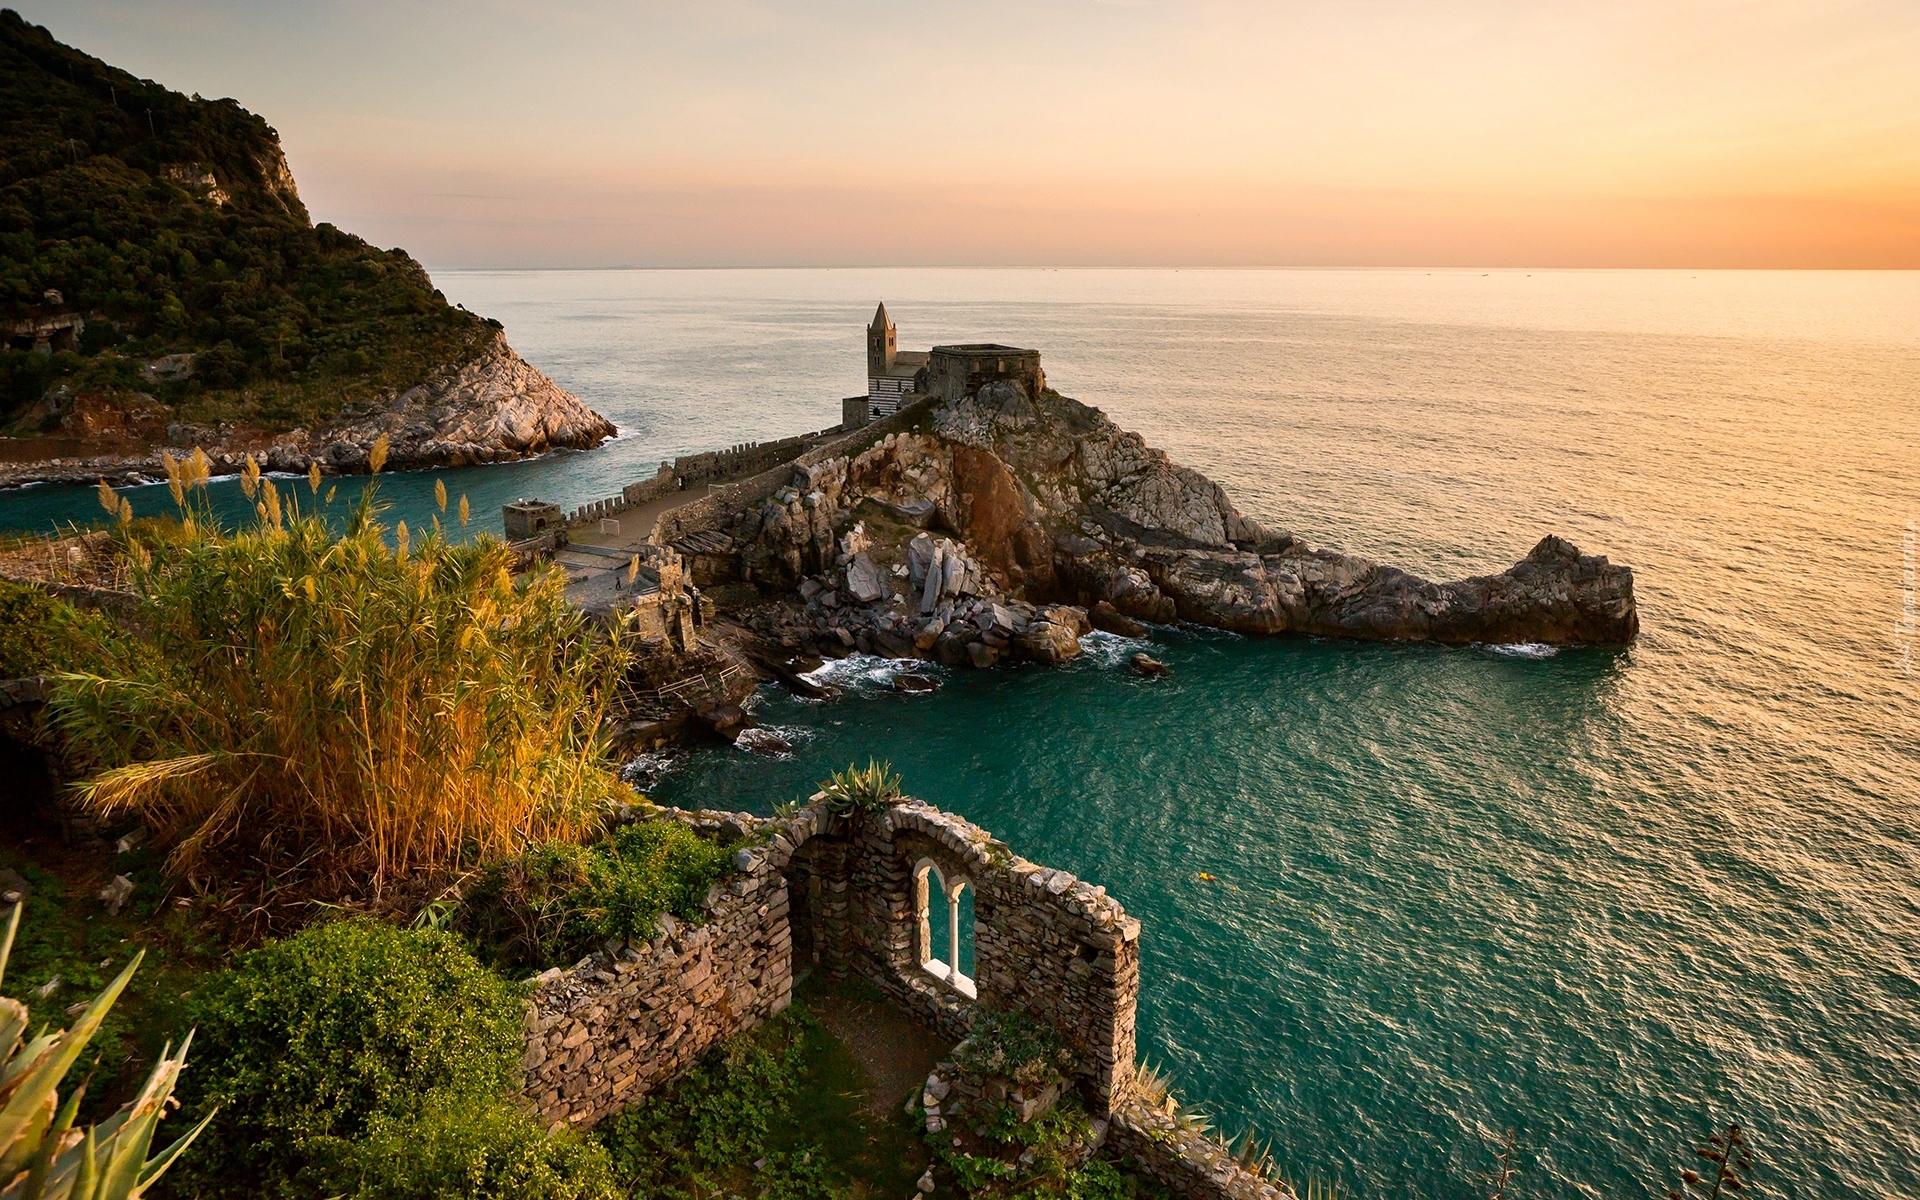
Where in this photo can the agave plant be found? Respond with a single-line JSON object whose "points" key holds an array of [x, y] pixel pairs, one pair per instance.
{"points": [[1253, 1154], [861, 789], [42, 1157]]}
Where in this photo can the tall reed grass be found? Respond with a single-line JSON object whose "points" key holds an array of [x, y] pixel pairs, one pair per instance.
{"points": [[346, 709]]}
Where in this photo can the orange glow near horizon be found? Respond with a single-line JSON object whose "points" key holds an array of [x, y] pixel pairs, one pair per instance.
{"points": [[1694, 133]]}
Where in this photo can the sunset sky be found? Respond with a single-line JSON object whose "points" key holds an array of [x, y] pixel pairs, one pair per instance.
{"points": [[1073, 132]]}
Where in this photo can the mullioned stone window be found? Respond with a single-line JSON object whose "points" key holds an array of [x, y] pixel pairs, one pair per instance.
{"points": [[927, 878]]}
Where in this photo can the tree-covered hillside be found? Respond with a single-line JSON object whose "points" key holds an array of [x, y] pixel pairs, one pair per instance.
{"points": [[171, 225]]}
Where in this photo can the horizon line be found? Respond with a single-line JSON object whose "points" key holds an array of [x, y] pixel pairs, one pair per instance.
{"points": [[1483, 270]]}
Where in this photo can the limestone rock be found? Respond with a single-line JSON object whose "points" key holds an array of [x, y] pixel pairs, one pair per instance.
{"points": [[1046, 642], [494, 408], [1051, 502], [117, 893], [865, 580]]}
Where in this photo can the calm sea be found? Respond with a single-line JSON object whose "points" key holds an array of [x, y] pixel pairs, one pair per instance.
{"points": [[1603, 898]]}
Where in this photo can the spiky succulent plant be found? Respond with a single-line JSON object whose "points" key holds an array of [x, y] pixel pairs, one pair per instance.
{"points": [[42, 1157]]}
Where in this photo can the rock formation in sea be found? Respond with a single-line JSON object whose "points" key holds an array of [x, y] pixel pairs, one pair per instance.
{"points": [[992, 527]]}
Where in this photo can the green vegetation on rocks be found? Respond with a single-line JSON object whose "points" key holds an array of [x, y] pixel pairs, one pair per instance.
{"points": [[776, 1113], [171, 224], [559, 900], [41, 634]]}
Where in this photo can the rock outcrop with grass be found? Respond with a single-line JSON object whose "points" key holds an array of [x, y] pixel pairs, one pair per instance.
{"points": [[161, 284]]}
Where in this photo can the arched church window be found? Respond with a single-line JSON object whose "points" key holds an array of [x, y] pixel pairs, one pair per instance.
{"points": [[945, 936]]}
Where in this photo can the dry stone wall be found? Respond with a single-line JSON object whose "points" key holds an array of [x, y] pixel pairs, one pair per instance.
{"points": [[839, 894], [623, 1021], [1187, 1163]]}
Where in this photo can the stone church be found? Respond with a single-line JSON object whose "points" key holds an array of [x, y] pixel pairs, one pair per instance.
{"points": [[896, 377]]}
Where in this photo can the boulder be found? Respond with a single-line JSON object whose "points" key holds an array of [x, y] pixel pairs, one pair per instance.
{"points": [[1150, 667], [915, 684], [1108, 619], [1046, 642], [1071, 616], [762, 741], [724, 721], [919, 557], [865, 579]]}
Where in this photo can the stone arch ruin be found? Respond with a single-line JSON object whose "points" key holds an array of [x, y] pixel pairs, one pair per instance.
{"points": [[854, 894]]}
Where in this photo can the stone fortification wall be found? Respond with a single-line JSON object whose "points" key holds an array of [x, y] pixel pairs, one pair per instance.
{"points": [[695, 470], [1044, 942], [844, 895], [627, 1019], [718, 511]]}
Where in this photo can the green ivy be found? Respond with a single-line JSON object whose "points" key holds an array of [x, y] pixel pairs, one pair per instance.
{"points": [[683, 1142]]}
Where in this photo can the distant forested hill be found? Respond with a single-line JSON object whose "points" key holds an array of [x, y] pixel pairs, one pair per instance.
{"points": [[170, 226]]}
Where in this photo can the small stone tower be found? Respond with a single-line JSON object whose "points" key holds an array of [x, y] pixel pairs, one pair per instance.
{"points": [[882, 349]]}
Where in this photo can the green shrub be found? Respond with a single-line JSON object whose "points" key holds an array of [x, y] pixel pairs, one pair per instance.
{"points": [[486, 1150], [40, 634], [1013, 1045], [1101, 1180], [685, 1139], [559, 900], [311, 1042]]}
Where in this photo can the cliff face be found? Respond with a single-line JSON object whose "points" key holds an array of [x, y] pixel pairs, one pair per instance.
{"points": [[496, 408], [493, 409], [1053, 503]]}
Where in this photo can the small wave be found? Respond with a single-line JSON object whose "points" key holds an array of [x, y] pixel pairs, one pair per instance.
{"points": [[1103, 649], [1523, 650], [868, 672], [647, 770]]}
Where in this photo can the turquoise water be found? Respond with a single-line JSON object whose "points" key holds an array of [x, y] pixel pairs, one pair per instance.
{"points": [[1605, 898]]}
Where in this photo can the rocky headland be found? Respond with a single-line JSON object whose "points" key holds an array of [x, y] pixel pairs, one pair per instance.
{"points": [[495, 408], [1001, 528], [167, 289]]}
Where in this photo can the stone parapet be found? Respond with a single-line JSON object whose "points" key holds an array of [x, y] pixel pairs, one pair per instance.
{"points": [[1045, 943], [1186, 1162]]}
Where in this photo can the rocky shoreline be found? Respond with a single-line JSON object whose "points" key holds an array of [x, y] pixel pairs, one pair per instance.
{"points": [[495, 408], [1000, 528]]}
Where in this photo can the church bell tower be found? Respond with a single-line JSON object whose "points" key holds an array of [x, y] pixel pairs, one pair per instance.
{"points": [[881, 349]]}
